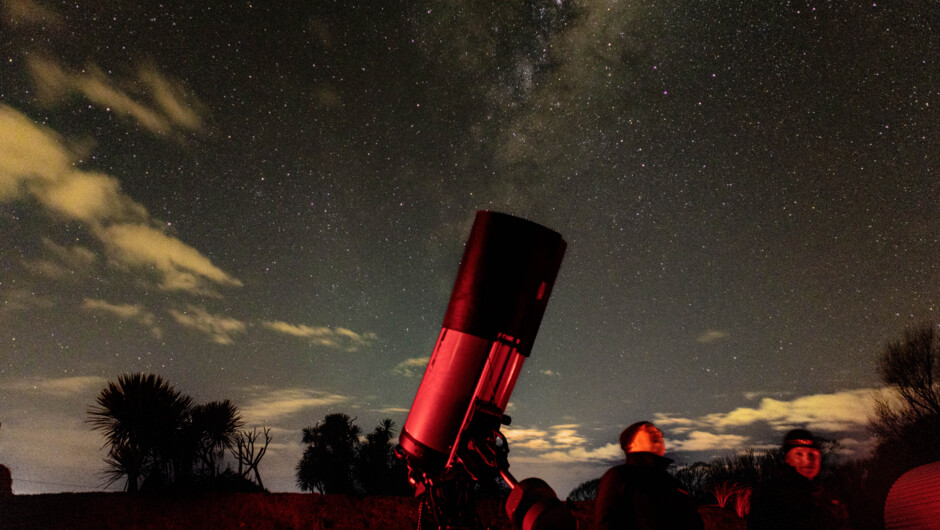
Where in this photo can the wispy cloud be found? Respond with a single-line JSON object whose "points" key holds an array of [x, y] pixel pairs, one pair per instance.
{"points": [[752, 395], [338, 338], [558, 444], [63, 262], [26, 12], [270, 405], [171, 99], [392, 410], [134, 312], [829, 412], [165, 111], [59, 387], [34, 164], [842, 413], [411, 367], [183, 267], [710, 336], [837, 413], [706, 441], [221, 329]]}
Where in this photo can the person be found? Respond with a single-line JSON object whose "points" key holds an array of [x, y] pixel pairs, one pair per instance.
{"points": [[640, 494], [794, 498]]}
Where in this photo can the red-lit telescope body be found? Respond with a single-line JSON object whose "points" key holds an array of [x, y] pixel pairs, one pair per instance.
{"points": [[502, 288]]}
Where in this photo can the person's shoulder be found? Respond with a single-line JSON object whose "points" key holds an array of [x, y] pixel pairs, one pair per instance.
{"points": [[614, 471]]}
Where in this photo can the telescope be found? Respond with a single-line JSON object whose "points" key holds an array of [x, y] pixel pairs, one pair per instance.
{"points": [[451, 438]]}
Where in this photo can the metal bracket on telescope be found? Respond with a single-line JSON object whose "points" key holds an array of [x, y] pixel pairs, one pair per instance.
{"points": [[481, 449]]}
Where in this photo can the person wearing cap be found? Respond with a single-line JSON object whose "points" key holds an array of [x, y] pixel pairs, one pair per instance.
{"points": [[794, 498], [640, 493]]}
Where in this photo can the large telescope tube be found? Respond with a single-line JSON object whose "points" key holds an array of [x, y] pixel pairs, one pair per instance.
{"points": [[502, 288]]}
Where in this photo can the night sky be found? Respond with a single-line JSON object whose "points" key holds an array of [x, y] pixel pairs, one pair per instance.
{"points": [[269, 205]]}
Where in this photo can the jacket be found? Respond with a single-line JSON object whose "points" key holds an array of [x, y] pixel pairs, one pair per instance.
{"points": [[793, 502], [640, 494]]}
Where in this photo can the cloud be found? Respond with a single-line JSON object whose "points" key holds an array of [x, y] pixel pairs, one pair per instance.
{"points": [[219, 328], [135, 312], [266, 405], [54, 84], [64, 260], [35, 165], [30, 157], [750, 396], [828, 412], [170, 97], [706, 441], [18, 299], [710, 336], [391, 410], [558, 444], [30, 13], [411, 367], [77, 459], [59, 387], [182, 267], [842, 412], [837, 413], [339, 338]]}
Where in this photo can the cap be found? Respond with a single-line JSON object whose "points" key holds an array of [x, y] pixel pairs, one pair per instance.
{"points": [[799, 438]]}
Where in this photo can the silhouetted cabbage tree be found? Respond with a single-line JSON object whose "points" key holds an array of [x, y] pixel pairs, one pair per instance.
{"points": [[378, 470], [142, 418], [216, 426], [327, 462], [338, 459], [158, 440]]}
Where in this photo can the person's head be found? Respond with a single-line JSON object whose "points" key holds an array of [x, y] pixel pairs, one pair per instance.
{"points": [[642, 436], [801, 451]]}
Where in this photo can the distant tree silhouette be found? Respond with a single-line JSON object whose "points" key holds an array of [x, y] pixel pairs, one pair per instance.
{"points": [[327, 465], [216, 426], [249, 455], [378, 471], [338, 460], [158, 440], [126, 461], [6, 481], [911, 367], [585, 491], [142, 418], [906, 426]]}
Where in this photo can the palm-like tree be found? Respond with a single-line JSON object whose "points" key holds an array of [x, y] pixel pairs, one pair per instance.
{"points": [[379, 472], [142, 418], [327, 462], [215, 425]]}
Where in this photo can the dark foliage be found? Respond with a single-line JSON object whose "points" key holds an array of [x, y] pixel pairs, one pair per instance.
{"points": [[327, 462], [215, 426], [337, 461], [378, 470], [143, 419], [586, 491], [159, 441], [907, 428]]}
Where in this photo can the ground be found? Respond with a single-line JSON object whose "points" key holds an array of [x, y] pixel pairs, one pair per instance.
{"points": [[253, 510]]}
